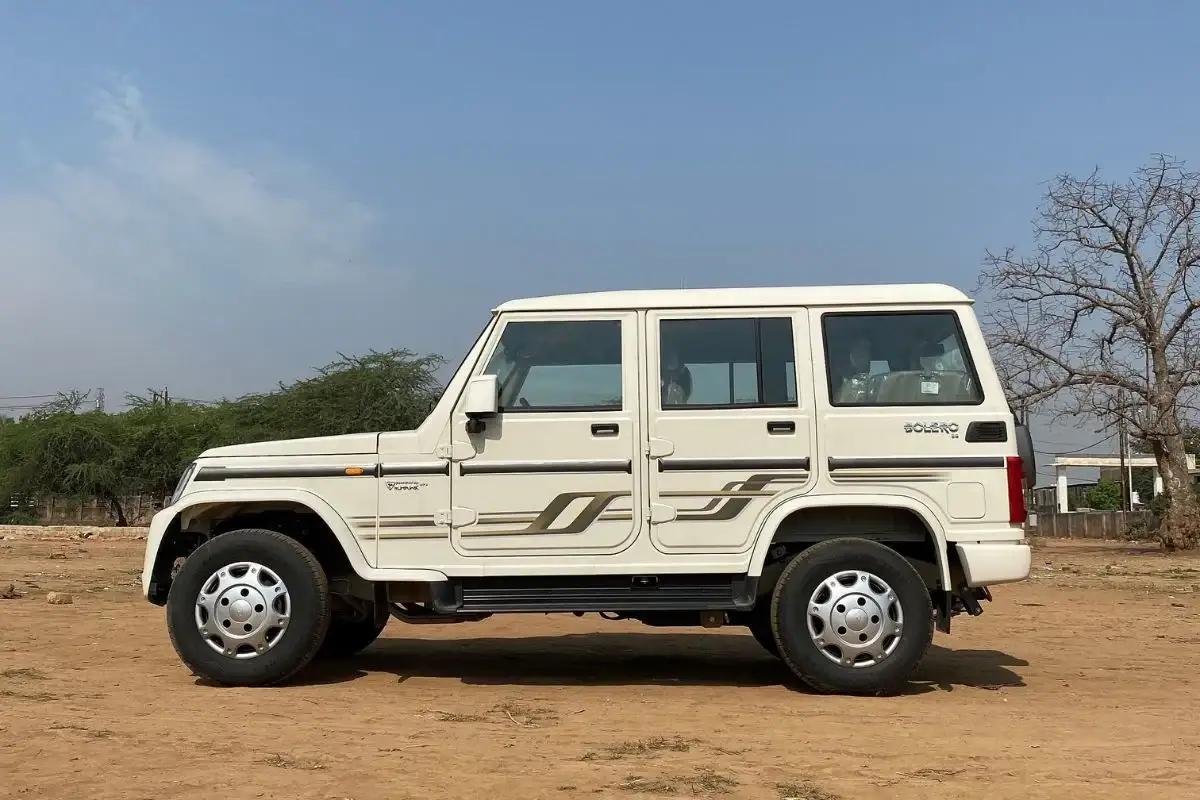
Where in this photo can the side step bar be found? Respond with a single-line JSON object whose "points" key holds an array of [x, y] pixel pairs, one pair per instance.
{"points": [[720, 592]]}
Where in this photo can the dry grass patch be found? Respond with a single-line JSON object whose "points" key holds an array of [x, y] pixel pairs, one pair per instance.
{"points": [[524, 715], [454, 716], [23, 673], [701, 782], [642, 747], [286, 762], [804, 790], [33, 697], [95, 733]]}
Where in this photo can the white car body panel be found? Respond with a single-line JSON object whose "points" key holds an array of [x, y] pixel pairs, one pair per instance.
{"points": [[638, 488]]}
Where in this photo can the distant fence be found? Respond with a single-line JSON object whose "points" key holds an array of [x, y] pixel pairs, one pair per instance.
{"points": [[1088, 524], [55, 510]]}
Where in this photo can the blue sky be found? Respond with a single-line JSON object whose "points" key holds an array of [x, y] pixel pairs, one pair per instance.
{"points": [[219, 196]]}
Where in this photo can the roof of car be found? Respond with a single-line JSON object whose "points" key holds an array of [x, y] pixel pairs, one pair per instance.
{"points": [[744, 297]]}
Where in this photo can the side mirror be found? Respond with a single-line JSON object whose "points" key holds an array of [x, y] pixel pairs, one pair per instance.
{"points": [[482, 397]]}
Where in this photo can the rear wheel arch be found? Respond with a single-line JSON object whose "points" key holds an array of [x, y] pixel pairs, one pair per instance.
{"points": [[902, 523]]}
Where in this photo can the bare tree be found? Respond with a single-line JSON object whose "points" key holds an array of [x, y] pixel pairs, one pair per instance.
{"points": [[1099, 320]]}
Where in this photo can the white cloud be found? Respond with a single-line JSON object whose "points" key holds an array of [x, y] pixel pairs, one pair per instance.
{"points": [[157, 203], [150, 218]]}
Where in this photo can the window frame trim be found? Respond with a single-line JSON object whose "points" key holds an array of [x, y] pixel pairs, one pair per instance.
{"points": [[968, 356], [739, 314], [560, 409]]}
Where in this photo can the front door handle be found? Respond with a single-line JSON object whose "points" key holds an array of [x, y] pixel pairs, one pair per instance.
{"points": [[781, 426], [605, 429]]}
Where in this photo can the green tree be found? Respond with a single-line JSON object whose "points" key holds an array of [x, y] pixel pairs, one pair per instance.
{"points": [[142, 450], [61, 452], [1105, 496], [392, 390]]}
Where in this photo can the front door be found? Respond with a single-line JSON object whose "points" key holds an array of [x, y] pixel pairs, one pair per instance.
{"points": [[558, 469], [731, 423]]}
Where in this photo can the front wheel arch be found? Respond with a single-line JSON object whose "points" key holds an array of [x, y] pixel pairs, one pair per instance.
{"points": [[201, 516]]}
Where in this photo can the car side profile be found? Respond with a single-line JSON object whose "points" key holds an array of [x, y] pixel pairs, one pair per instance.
{"points": [[835, 468]]}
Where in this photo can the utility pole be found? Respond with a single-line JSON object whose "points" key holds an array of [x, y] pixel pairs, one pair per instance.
{"points": [[100, 399], [1125, 487], [1129, 469]]}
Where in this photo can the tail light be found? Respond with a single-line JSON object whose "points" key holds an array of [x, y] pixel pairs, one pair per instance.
{"points": [[1017, 514]]}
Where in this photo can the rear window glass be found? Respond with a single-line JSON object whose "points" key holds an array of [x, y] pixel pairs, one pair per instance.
{"points": [[898, 359]]}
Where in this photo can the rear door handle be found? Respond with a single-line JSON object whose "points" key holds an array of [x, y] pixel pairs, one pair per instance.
{"points": [[605, 429], [781, 426]]}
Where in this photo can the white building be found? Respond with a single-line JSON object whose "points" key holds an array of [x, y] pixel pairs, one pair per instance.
{"points": [[1063, 463]]}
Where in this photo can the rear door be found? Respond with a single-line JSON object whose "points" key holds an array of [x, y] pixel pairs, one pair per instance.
{"points": [[902, 405], [730, 423]]}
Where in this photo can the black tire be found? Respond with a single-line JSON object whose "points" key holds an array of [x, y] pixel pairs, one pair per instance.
{"points": [[760, 626], [790, 617], [349, 635], [307, 610]]}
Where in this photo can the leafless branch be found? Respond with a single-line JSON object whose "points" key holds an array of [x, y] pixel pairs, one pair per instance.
{"points": [[1099, 318]]}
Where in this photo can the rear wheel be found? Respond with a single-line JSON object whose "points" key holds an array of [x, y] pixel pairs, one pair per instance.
{"points": [[248, 608], [852, 616]]}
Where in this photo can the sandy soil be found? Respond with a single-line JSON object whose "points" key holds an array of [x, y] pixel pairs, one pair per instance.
{"points": [[1079, 683]]}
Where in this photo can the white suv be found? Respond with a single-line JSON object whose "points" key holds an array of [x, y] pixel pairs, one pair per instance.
{"points": [[835, 468]]}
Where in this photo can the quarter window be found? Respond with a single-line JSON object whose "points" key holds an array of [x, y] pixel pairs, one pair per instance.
{"points": [[727, 363], [898, 359], [559, 366]]}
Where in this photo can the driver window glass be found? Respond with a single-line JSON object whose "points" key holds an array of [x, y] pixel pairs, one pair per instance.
{"points": [[898, 359], [559, 366]]}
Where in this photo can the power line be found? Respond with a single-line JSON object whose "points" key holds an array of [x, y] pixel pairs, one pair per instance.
{"points": [[40, 401], [1072, 452]]}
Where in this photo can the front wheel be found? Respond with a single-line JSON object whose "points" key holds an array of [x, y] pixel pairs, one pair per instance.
{"points": [[760, 627], [248, 608], [852, 616], [348, 635]]}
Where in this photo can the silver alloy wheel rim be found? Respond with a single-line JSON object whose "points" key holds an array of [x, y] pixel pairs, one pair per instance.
{"points": [[243, 610], [855, 619]]}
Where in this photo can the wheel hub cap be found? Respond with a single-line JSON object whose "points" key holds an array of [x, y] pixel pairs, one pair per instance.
{"points": [[855, 619], [240, 610], [243, 610]]}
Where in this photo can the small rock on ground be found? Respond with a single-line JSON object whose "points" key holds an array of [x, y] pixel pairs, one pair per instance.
{"points": [[8, 592], [59, 599]]}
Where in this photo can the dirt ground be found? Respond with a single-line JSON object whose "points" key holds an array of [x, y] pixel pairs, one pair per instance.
{"points": [[1079, 683]]}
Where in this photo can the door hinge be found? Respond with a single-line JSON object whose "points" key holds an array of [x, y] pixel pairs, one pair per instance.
{"points": [[659, 513], [659, 448], [456, 451], [457, 517]]}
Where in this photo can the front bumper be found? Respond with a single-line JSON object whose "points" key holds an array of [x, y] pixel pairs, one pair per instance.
{"points": [[987, 564]]}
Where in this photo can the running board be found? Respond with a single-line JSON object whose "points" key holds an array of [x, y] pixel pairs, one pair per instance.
{"points": [[562, 593]]}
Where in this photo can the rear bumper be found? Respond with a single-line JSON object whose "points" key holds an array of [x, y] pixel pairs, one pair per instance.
{"points": [[994, 562]]}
